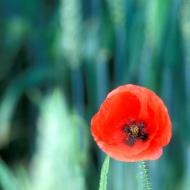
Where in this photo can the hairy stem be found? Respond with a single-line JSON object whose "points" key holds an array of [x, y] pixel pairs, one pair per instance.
{"points": [[145, 176]]}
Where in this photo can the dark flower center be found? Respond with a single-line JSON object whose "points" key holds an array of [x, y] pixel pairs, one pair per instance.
{"points": [[134, 131]]}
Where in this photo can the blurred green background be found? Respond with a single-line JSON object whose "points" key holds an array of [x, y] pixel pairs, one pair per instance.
{"points": [[59, 59]]}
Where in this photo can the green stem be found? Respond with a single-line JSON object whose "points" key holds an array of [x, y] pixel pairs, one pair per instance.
{"points": [[145, 176], [103, 175]]}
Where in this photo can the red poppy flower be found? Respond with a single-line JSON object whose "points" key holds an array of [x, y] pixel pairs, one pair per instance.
{"points": [[132, 124]]}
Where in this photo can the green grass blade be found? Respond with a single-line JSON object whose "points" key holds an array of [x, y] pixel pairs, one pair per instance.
{"points": [[7, 179], [103, 175]]}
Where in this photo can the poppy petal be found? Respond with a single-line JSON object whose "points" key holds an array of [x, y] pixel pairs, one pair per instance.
{"points": [[113, 113]]}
